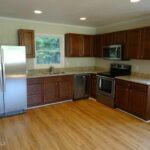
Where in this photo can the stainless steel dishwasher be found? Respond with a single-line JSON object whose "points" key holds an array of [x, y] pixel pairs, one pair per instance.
{"points": [[81, 86]]}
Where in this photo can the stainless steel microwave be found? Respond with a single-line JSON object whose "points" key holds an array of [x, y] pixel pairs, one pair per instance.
{"points": [[113, 52]]}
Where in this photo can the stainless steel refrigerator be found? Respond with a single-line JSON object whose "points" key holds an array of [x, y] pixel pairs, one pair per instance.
{"points": [[13, 89]]}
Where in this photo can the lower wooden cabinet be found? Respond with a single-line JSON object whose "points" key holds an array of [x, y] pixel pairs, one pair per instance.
{"points": [[65, 88], [49, 90], [93, 86], [133, 98], [34, 92]]}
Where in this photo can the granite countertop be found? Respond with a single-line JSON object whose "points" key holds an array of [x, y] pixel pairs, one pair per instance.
{"points": [[36, 75], [136, 79]]}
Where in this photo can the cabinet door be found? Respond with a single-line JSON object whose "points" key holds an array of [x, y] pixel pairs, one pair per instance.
{"points": [[120, 38], [108, 39], [97, 48], [50, 89], [134, 43], [93, 86], [137, 102], [74, 45], [26, 38], [146, 43], [65, 85], [122, 95], [34, 92], [88, 45]]}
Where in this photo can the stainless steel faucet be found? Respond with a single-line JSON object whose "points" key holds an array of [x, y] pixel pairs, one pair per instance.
{"points": [[51, 69]]}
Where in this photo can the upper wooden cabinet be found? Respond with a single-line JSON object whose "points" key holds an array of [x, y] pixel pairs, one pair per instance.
{"points": [[145, 54], [97, 46], [120, 37], [78, 45], [134, 43], [107, 39], [26, 38], [88, 45]]}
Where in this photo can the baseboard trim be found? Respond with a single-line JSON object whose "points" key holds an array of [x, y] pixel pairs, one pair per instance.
{"points": [[34, 107], [133, 115]]}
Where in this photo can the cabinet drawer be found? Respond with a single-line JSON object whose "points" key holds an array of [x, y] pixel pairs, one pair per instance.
{"points": [[34, 100], [34, 81], [139, 87], [122, 83], [34, 89]]}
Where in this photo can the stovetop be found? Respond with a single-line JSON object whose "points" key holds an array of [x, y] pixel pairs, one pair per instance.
{"points": [[117, 70], [107, 74]]}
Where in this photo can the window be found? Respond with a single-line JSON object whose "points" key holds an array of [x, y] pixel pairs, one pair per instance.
{"points": [[49, 50]]}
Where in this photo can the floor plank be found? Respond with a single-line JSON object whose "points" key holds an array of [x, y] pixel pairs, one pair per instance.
{"points": [[79, 125]]}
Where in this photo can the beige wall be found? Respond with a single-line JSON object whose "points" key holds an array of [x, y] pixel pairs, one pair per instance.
{"points": [[145, 21], [141, 66], [8, 36]]}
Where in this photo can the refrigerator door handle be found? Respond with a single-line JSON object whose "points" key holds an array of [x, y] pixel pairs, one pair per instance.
{"points": [[3, 71]]}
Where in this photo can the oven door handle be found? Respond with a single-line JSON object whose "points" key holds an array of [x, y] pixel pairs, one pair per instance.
{"points": [[100, 83]]}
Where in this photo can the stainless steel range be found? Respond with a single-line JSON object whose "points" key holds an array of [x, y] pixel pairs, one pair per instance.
{"points": [[105, 91]]}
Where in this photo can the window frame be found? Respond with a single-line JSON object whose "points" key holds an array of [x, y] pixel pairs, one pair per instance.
{"points": [[61, 65]]}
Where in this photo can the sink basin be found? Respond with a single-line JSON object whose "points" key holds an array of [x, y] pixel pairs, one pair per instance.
{"points": [[56, 73]]}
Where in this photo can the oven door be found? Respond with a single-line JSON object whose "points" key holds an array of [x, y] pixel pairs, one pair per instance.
{"points": [[105, 86]]}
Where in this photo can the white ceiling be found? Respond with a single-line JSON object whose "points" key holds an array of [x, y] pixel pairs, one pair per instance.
{"points": [[98, 12]]}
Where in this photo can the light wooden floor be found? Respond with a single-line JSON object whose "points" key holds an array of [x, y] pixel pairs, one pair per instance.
{"points": [[80, 125]]}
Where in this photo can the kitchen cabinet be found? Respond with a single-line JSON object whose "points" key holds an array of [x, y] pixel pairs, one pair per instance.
{"points": [[134, 43], [26, 38], [133, 98], [58, 88], [145, 54], [78, 45], [47, 90], [74, 45], [120, 37], [122, 95], [50, 89], [65, 88], [34, 92], [88, 45], [93, 86], [97, 46], [107, 39]]}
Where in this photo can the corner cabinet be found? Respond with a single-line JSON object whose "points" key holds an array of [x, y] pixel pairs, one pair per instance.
{"points": [[133, 98], [78, 45], [26, 38]]}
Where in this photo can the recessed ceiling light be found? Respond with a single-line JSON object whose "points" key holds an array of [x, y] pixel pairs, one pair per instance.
{"points": [[83, 18], [134, 1], [37, 11]]}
